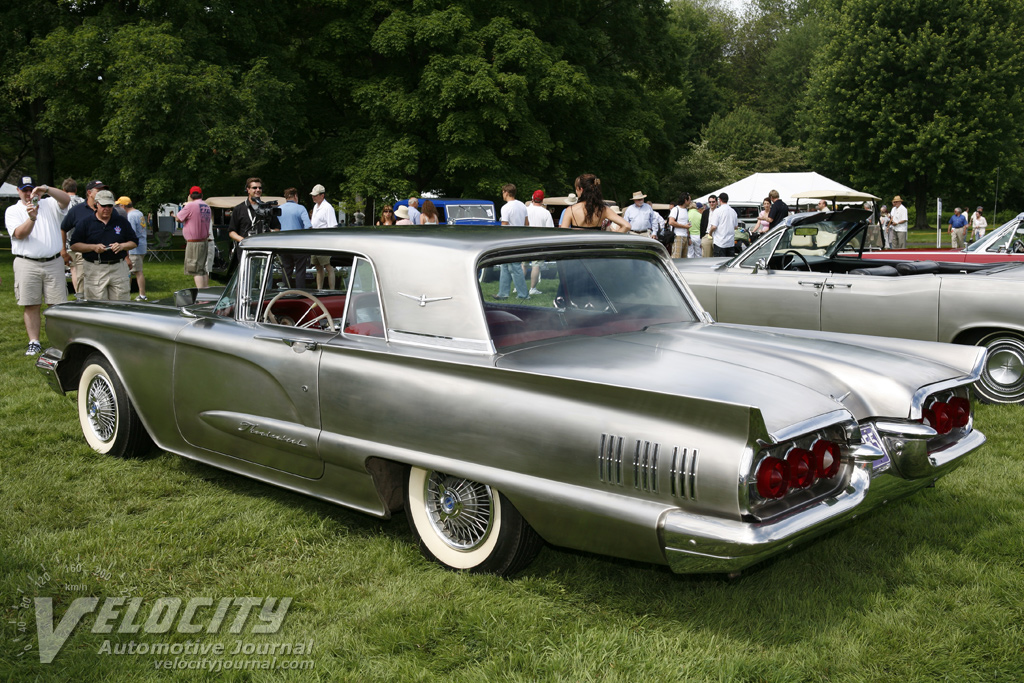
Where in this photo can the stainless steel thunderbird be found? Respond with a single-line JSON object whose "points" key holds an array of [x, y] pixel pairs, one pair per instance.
{"points": [[813, 273], [608, 413]]}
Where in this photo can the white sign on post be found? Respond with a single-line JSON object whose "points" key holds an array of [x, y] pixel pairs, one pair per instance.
{"points": [[938, 224]]}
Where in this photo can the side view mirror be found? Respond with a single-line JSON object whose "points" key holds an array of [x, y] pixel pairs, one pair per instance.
{"points": [[185, 297], [760, 264]]}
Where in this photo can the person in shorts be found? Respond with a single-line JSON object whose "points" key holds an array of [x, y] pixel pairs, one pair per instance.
{"points": [[104, 243], [39, 253], [196, 217], [323, 217]]}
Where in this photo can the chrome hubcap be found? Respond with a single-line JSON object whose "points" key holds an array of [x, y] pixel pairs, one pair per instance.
{"points": [[460, 511], [102, 408], [1003, 378]]}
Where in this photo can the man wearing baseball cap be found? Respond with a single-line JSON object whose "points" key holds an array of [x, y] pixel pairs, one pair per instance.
{"points": [[34, 226], [195, 218], [104, 243], [81, 212]]}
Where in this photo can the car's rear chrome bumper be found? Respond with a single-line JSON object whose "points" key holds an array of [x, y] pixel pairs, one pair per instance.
{"points": [[47, 364], [695, 543]]}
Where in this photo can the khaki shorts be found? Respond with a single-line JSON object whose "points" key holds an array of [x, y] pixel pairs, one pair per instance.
{"points": [[137, 260], [680, 246], [107, 281], [77, 262], [707, 245], [36, 282], [323, 260], [195, 257]]}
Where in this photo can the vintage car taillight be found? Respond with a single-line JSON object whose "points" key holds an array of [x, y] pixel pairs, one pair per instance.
{"points": [[772, 478], [961, 409], [801, 467], [939, 417], [826, 458]]}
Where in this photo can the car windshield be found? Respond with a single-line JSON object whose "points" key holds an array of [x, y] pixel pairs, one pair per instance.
{"points": [[464, 212], [999, 240], [574, 295], [808, 239]]}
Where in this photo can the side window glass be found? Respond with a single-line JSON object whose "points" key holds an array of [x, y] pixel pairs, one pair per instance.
{"points": [[363, 312], [760, 250], [251, 285]]}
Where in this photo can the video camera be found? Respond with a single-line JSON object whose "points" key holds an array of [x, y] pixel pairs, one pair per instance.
{"points": [[263, 216]]}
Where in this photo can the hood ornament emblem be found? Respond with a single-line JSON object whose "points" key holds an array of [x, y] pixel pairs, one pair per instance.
{"points": [[424, 299]]}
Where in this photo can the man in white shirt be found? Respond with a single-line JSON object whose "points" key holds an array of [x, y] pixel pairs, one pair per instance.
{"points": [[414, 210], [722, 228], [39, 253], [323, 217], [512, 213], [898, 222], [640, 215], [679, 220], [537, 215]]}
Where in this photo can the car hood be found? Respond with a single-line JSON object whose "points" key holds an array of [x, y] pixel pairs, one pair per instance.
{"points": [[789, 375]]}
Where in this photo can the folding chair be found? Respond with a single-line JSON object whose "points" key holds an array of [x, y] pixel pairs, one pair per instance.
{"points": [[163, 241]]}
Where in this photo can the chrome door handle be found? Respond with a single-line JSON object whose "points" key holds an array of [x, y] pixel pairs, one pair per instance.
{"points": [[833, 285], [298, 345], [807, 283]]}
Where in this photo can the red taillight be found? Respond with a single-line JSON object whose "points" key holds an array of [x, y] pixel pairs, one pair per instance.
{"points": [[772, 478], [801, 467], [826, 458], [961, 409], [939, 417]]}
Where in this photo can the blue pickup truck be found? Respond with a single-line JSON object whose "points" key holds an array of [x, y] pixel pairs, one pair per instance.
{"points": [[461, 211]]}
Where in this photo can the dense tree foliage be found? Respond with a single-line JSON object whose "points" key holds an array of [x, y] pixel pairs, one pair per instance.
{"points": [[390, 97], [920, 98]]}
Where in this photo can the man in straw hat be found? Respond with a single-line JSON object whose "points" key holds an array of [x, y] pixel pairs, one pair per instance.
{"points": [[898, 221], [640, 215]]}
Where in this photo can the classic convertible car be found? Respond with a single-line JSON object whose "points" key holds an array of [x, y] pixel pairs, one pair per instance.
{"points": [[1005, 243], [607, 414], [812, 273]]}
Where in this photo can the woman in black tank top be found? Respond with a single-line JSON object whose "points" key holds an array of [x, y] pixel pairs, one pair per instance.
{"points": [[591, 212]]}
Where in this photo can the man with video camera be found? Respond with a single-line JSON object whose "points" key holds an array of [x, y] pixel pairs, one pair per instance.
{"points": [[253, 216]]}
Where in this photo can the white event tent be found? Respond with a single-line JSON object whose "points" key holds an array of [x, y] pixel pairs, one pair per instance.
{"points": [[804, 188], [8, 190]]}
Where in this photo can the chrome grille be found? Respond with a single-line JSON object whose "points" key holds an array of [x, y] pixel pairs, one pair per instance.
{"points": [[609, 459], [645, 466], [683, 473]]}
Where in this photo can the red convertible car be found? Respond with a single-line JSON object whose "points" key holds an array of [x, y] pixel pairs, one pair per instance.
{"points": [[1005, 243]]}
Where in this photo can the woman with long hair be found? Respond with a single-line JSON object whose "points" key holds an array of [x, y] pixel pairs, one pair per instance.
{"points": [[428, 214], [762, 220], [387, 216], [590, 212]]}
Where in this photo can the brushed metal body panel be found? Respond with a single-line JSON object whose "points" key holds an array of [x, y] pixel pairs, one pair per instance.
{"points": [[597, 441]]}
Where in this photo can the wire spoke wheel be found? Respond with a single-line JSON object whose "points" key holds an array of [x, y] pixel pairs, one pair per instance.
{"points": [[102, 408], [466, 525], [460, 510]]}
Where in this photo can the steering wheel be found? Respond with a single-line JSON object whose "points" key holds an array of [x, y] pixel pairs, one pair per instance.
{"points": [[791, 261], [269, 317], [1017, 247]]}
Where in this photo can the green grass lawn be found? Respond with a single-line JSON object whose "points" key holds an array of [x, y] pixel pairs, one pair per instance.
{"points": [[928, 588]]}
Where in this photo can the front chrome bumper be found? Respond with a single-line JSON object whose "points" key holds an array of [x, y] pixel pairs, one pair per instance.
{"points": [[697, 543], [47, 365]]}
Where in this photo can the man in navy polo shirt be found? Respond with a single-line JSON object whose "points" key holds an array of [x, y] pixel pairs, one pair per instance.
{"points": [[958, 229], [80, 211], [104, 243]]}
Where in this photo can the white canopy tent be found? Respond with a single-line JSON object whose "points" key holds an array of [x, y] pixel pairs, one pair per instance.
{"points": [[793, 188], [7, 191]]}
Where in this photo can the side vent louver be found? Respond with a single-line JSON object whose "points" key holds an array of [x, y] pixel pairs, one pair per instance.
{"points": [[645, 466], [609, 460], [683, 473]]}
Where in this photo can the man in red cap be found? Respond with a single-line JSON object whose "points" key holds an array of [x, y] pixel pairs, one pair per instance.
{"points": [[538, 216], [195, 218]]}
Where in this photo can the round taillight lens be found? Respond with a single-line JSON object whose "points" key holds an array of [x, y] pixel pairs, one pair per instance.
{"points": [[772, 478], [961, 409], [939, 417], [826, 458], [801, 468]]}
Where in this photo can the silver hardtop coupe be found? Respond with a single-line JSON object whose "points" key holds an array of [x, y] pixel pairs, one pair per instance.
{"points": [[607, 413], [813, 272]]}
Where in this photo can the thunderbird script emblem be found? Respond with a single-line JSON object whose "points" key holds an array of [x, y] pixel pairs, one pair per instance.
{"points": [[424, 299]]}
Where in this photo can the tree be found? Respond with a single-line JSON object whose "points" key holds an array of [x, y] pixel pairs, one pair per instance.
{"points": [[919, 98]]}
